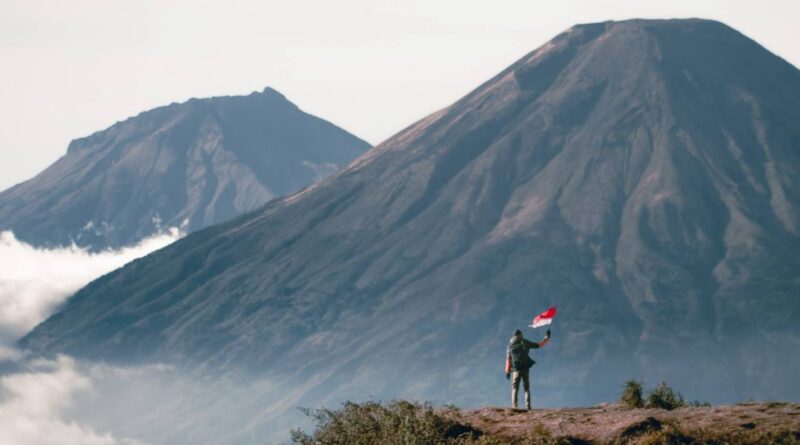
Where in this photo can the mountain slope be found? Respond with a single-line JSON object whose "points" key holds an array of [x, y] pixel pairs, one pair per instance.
{"points": [[202, 162], [642, 175]]}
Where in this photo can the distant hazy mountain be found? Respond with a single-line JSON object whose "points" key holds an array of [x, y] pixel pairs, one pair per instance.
{"points": [[203, 161], [643, 176]]}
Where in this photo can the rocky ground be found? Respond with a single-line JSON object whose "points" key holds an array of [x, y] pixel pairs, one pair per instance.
{"points": [[610, 423]]}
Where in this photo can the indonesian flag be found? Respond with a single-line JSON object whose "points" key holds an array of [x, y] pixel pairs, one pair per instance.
{"points": [[545, 318]]}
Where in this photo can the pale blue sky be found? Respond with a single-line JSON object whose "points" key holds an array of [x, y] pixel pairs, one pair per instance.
{"points": [[73, 67]]}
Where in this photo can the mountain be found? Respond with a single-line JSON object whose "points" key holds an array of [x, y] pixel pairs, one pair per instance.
{"points": [[196, 164], [643, 176]]}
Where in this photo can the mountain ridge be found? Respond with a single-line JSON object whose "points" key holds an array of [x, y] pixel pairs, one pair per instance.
{"points": [[75, 144], [201, 161]]}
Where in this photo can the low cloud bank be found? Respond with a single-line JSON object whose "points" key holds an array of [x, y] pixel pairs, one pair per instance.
{"points": [[35, 281], [68, 401], [38, 397], [33, 402]]}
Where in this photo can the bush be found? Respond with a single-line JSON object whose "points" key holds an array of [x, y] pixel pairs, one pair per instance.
{"points": [[632, 394], [664, 397], [398, 422]]}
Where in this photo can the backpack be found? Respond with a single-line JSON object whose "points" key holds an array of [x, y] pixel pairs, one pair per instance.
{"points": [[519, 356]]}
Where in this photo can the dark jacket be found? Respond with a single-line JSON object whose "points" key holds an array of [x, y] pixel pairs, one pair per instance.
{"points": [[522, 346]]}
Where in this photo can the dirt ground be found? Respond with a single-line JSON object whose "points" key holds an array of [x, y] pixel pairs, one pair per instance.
{"points": [[610, 423]]}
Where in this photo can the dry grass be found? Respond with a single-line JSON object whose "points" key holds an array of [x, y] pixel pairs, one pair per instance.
{"points": [[753, 423]]}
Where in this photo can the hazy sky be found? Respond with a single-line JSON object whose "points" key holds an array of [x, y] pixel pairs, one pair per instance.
{"points": [[70, 68]]}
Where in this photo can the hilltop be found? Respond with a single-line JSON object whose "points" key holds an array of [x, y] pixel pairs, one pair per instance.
{"points": [[410, 424], [611, 423]]}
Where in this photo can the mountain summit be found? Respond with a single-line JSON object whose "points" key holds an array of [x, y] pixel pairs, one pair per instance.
{"points": [[643, 176], [196, 163]]}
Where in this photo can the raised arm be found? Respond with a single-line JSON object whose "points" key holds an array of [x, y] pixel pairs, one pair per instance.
{"points": [[534, 345], [545, 340]]}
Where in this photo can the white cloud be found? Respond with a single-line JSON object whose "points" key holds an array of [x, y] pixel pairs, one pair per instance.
{"points": [[38, 398], [35, 281], [69, 401], [34, 401], [9, 354]]}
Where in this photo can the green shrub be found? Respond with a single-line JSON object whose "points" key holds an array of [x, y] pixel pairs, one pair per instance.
{"points": [[632, 394], [398, 422], [664, 397]]}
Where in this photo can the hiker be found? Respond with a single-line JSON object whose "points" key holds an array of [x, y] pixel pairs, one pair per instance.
{"points": [[519, 364]]}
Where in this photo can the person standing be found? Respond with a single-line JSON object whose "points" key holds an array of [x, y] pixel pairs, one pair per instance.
{"points": [[518, 365]]}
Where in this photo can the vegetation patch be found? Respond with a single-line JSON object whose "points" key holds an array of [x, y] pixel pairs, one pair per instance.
{"points": [[662, 397], [632, 392], [398, 422]]}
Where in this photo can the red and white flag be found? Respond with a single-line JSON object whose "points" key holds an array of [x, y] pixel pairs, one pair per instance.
{"points": [[545, 318]]}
